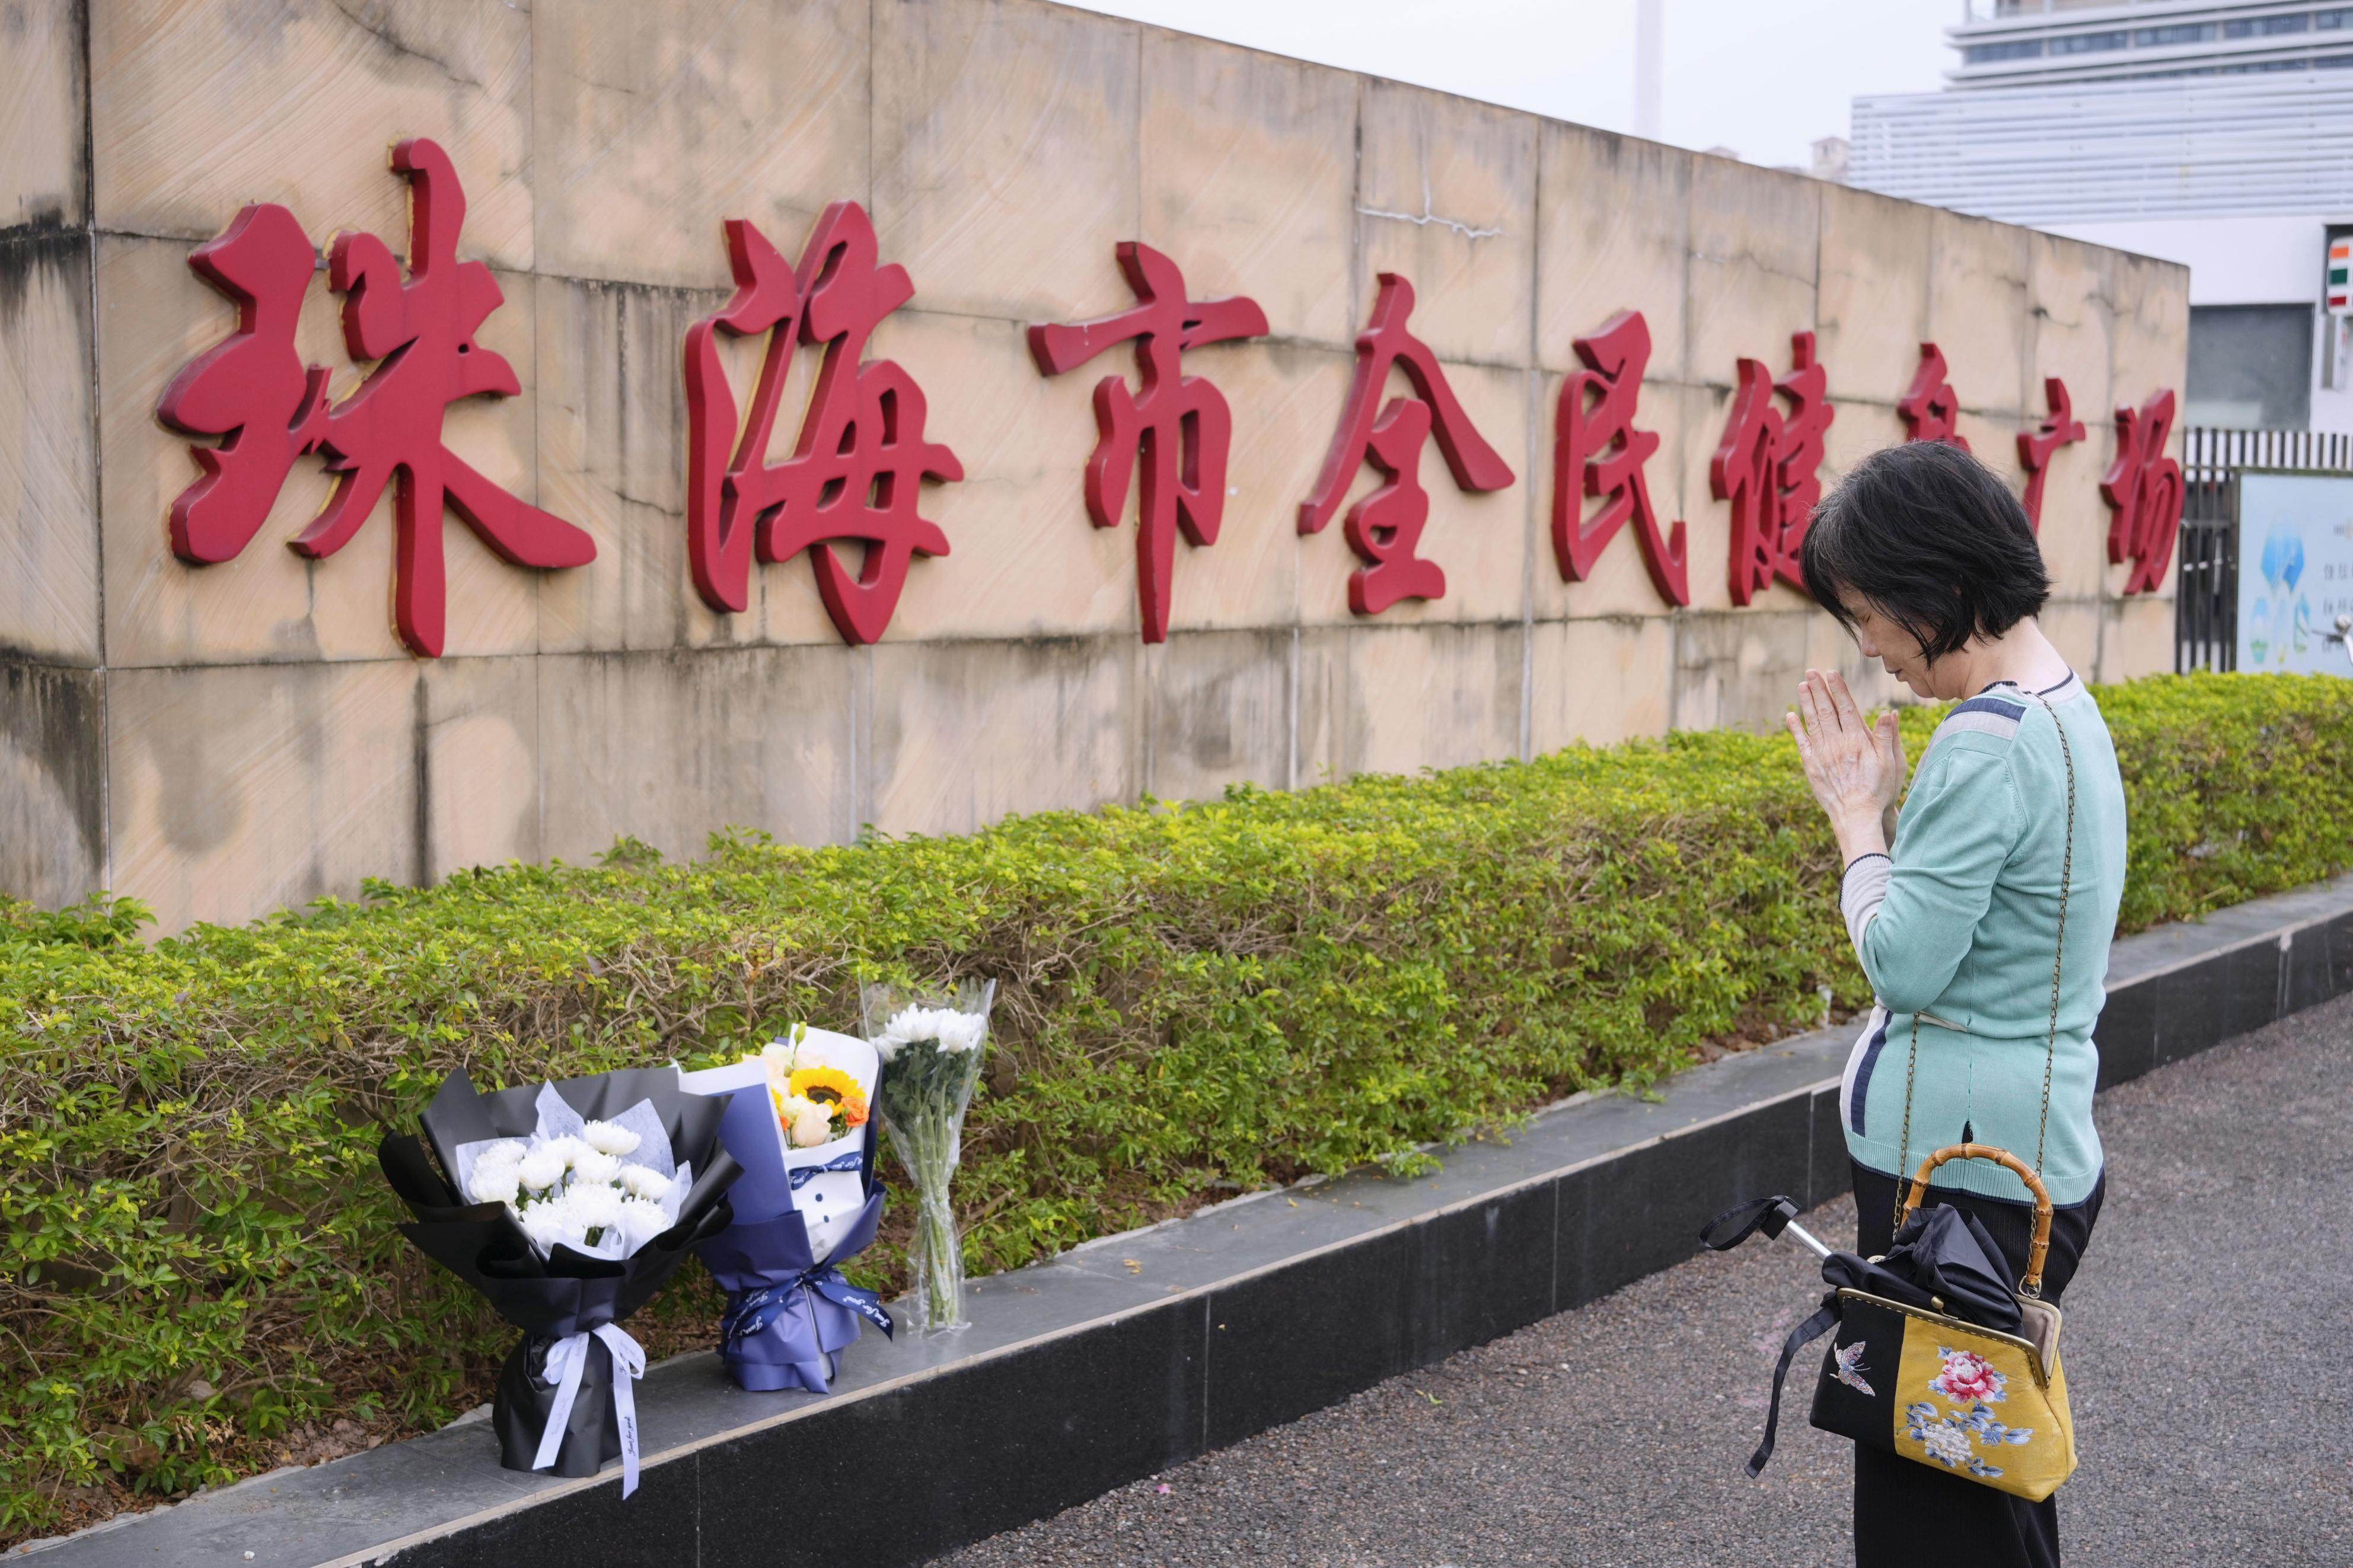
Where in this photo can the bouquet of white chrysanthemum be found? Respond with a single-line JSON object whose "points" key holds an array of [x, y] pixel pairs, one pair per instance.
{"points": [[931, 1047], [566, 1206]]}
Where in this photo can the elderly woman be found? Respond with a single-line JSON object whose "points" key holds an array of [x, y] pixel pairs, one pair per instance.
{"points": [[1954, 909]]}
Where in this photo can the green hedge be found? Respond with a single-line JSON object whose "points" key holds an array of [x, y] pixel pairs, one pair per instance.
{"points": [[198, 1252]]}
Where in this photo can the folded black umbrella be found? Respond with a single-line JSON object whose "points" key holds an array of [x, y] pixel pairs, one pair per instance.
{"points": [[1941, 1261], [559, 1405]]}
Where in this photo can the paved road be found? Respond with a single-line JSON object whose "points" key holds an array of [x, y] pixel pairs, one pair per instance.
{"points": [[2209, 1337]]}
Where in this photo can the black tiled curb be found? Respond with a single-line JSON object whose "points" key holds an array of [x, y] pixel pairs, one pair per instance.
{"points": [[1141, 1350]]}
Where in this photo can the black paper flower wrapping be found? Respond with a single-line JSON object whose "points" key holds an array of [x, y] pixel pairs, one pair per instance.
{"points": [[560, 1302]]}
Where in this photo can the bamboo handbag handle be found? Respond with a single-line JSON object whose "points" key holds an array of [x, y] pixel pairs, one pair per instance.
{"points": [[2032, 1285]]}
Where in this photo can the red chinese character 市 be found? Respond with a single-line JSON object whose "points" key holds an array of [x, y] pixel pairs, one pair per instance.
{"points": [[1385, 527], [421, 331], [2144, 490], [861, 459], [1931, 410], [1768, 466], [1597, 451], [251, 387], [1178, 423], [2036, 447]]}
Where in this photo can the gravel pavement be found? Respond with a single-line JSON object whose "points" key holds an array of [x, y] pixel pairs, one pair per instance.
{"points": [[2209, 1336]]}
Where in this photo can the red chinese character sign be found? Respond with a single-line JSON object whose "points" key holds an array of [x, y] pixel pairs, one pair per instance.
{"points": [[2036, 447], [1768, 466], [2144, 491], [1598, 451], [1179, 424], [1931, 410], [419, 329], [1385, 528], [858, 465]]}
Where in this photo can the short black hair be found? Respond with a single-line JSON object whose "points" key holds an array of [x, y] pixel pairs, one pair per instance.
{"points": [[1926, 534]]}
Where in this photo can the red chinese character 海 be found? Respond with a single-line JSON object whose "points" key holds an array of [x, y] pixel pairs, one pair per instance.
{"points": [[1931, 410], [1179, 423], [2144, 489], [857, 469], [251, 387], [2059, 428], [1385, 527], [1768, 466], [1597, 450], [420, 330]]}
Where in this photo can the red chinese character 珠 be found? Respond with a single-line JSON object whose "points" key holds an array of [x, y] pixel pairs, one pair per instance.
{"points": [[1178, 423], [1768, 466], [857, 469], [1597, 451], [1931, 410], [2036, 447], [1385, 527], [2144, 489], [419, 329]]}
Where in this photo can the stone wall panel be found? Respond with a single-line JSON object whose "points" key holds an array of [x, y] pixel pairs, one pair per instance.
{"points": [[1978, 302], [197, 108], [654, 122], [1615, 235], [1005, 152], [1756, 241], [1222, 712], [52, 782], [965, 733], [673, 745], [1446, 198], [44, 128], [1872, 313], [237, 789], [1599, 681], [1249, 177], [48, 452], [1432, 696]]}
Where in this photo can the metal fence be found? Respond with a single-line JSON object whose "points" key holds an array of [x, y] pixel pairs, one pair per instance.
{"points": [[2206, 606]]}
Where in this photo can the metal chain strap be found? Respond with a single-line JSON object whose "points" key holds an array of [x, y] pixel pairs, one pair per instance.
{"points": [[2058, 958]]}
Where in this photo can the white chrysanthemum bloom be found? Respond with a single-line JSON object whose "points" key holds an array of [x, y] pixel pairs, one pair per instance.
{"points": [[596, 1168], [643, 1182], [640, 1222], [567, 1147], [593, 1205], [544, 1224], [610, 1138], [962, 1032], [508, 1151], [541, 1169], [495, 1181]]}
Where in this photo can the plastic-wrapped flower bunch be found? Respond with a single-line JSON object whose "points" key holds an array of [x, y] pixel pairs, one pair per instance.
{"points": [[931, 1047]]}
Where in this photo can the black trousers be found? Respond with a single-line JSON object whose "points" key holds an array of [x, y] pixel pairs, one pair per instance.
{"points": [[1911, 1515]]}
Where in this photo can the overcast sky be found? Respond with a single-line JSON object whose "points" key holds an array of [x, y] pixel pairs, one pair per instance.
{"points": [[1761, 76]]}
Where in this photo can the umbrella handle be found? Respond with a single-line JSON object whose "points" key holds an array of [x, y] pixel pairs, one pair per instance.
{"points": [[2032, 1283]]}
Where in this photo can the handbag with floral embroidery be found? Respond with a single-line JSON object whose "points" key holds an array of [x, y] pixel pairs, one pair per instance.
{"points": [[1941, 1355]]}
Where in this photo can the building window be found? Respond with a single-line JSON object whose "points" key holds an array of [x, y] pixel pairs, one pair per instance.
{"points": [[2179, 33], [2251, 366], [2328, 21], [2266, 26], [1983, 54], [2088, 43]]}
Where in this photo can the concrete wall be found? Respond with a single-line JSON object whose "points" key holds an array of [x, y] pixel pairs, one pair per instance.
{"points": [[223, 740]]}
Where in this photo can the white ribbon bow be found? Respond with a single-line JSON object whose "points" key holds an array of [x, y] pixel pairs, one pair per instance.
{"points": [[567, 1359]]}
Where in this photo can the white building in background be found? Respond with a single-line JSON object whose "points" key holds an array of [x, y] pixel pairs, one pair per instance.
{"points": [[2219, 136]]}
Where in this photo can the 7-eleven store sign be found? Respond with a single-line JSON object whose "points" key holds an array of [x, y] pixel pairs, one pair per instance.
{"points": [[2340, 263]]}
